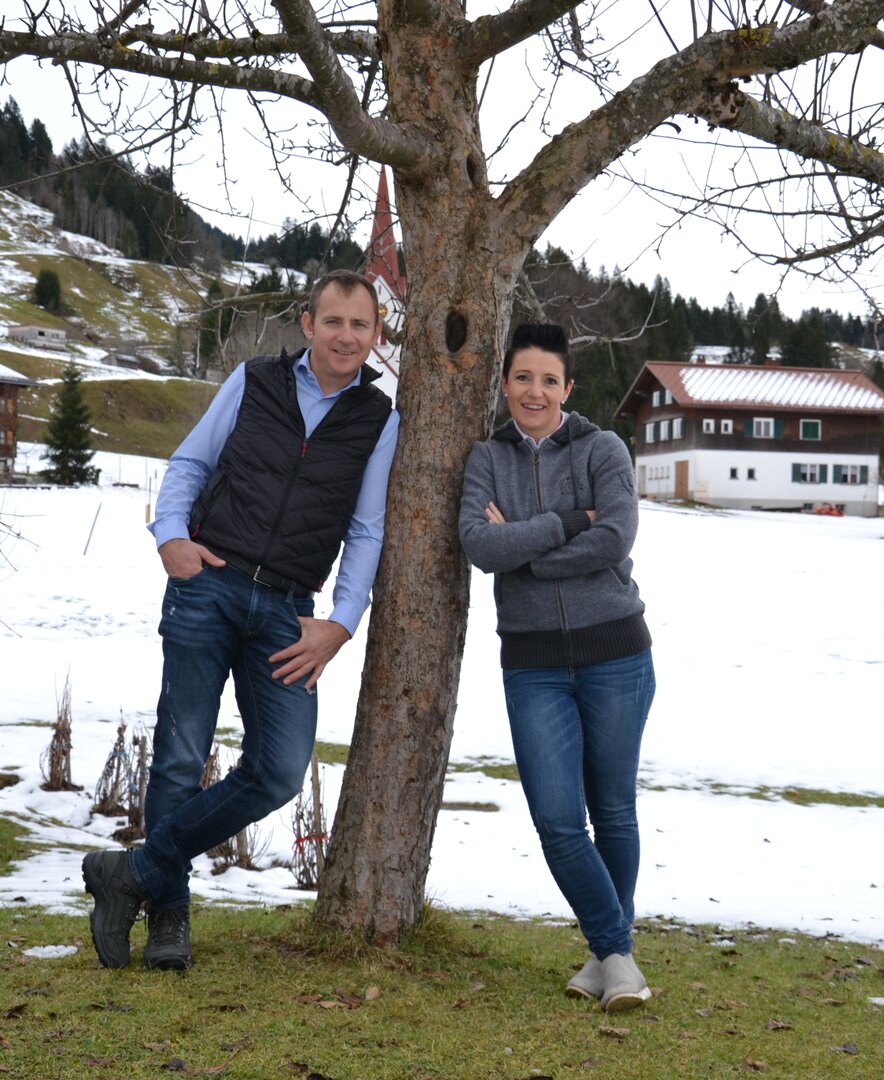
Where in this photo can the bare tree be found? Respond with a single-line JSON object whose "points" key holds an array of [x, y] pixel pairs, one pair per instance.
{"points": [[403, 84]]}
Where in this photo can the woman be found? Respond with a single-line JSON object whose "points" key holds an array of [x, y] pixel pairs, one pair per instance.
{"points": [[549, 507]]}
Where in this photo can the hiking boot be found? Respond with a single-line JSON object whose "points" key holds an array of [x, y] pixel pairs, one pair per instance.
{"points": [[588, 981], [625, 986], [118, 900], [168, 939]]}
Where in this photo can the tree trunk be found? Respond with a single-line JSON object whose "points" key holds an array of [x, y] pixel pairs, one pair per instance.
{"points": [[460, 281]]}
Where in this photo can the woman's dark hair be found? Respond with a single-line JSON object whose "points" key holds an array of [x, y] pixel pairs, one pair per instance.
{"points": [[547, 336]]}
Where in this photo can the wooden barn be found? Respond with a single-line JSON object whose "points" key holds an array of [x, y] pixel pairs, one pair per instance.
{"points": [[10, 383]]}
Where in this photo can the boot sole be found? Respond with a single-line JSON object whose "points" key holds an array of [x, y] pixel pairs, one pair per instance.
{"points": [[176, 963]]}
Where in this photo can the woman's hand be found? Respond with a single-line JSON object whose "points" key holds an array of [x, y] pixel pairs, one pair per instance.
{"points": [[591, 514], [494, 516]]}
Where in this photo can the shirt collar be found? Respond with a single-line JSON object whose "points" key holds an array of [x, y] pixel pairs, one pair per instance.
{"points": [[302, 366], [537, 445]]}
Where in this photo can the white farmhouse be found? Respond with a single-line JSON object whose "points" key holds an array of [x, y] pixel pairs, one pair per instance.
{"points": [[752, 437]]}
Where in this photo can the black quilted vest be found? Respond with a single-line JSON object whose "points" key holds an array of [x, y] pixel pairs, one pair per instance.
{"points": [[281, 500]]}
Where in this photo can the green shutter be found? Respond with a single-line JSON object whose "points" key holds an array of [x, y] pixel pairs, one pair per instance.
{"points": [[777, 428], [747, 427], [836, 474], [863, 474], [824, 472], [796, 474]]}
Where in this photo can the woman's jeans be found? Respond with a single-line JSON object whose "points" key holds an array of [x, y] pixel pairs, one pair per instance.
{"points": [[213, 624], [577, 734]]}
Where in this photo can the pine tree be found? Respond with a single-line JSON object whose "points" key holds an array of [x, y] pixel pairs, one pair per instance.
{"points": [[67, 437], [47, 290]]}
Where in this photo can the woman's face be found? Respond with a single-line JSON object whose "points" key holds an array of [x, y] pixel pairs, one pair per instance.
{"points": [[535, 390]]}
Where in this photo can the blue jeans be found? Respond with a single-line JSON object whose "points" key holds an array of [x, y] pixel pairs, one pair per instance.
{"points": [[576, 735], [213, 624]]}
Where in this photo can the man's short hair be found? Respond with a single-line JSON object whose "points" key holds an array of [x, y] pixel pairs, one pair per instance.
{"points": [[346, 281]]}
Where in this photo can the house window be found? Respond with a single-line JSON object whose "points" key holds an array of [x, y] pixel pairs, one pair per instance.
{"points": [[678, 427], [850, 474], [727, 427], [735, 474], [649, 433], [750, 474], [665, 428], [667, 397], [708, 427], [809, 473], [762, 427], [656, 399], [811, 429]]}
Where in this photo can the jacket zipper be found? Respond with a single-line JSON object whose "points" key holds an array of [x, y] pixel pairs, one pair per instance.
{"points": [[560, 601]]}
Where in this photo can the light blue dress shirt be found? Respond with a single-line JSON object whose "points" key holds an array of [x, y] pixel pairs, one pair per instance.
{"points": [[195, 459]]}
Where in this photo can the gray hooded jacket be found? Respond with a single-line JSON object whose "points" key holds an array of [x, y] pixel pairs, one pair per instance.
{"points": [[564, 589]]}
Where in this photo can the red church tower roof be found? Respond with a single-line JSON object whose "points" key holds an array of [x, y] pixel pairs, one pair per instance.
{"points": [[382, 259]]}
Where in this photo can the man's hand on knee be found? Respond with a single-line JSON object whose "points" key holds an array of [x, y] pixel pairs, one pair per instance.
{"points": [[319, 643]]}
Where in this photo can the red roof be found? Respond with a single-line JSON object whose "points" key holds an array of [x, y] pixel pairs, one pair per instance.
{"points": [[751, 386], [382, 259]]}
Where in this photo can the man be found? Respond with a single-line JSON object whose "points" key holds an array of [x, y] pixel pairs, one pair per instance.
{"points": [[290, 460]]}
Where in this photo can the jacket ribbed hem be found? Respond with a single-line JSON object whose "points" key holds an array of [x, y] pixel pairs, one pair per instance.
{"points": [[587, 645]]}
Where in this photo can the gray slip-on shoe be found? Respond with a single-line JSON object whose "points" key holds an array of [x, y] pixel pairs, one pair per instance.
{"points": [[118, 900], [588, 981], [625, 986]]}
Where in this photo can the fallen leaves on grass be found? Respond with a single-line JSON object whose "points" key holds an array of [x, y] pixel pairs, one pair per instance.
{"points": [[610, 1032], [345, 1000], [752, 1063]]}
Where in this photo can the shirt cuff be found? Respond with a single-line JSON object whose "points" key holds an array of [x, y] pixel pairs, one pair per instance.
{"points": [[348, 617], [574, 522], [169, 529]]}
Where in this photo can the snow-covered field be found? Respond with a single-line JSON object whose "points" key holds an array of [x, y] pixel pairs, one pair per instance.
{"points": [[769, 654]]}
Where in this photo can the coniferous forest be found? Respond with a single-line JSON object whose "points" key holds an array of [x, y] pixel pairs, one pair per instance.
{"points": [[617, 325]]}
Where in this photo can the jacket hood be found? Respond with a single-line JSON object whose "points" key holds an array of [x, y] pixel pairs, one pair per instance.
{"points": [[574, 427]]}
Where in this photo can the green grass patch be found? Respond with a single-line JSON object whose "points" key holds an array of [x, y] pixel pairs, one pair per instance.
{"points": [[328, 753], [466, 998], [482, 807], [133, 416], [814, 796], [495, 770], [12, 847], [800, 796]]}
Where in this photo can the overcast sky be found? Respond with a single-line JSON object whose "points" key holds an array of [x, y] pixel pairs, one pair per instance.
{"points": [[611, 223]]}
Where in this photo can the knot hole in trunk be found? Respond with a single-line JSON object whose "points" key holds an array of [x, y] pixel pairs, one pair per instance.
{"points": [[455, 331]]}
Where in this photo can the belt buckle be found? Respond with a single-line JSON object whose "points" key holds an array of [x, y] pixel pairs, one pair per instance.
{"points": [[257, 580]]}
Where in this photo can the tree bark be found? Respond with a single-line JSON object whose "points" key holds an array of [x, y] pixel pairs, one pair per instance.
{"points": [[459, 301]]}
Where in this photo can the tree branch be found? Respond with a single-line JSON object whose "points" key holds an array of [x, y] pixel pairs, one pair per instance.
{"points": [[163, 56], [359, 132], [736, 111], [677, 84], [76, 47], [491, 35]]}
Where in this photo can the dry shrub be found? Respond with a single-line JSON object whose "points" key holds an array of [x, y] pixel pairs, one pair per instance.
{"points": [[311, 838], [55, 761]]}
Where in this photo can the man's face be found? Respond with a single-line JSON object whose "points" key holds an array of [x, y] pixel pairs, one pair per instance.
{"points": [[341, 335]]}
